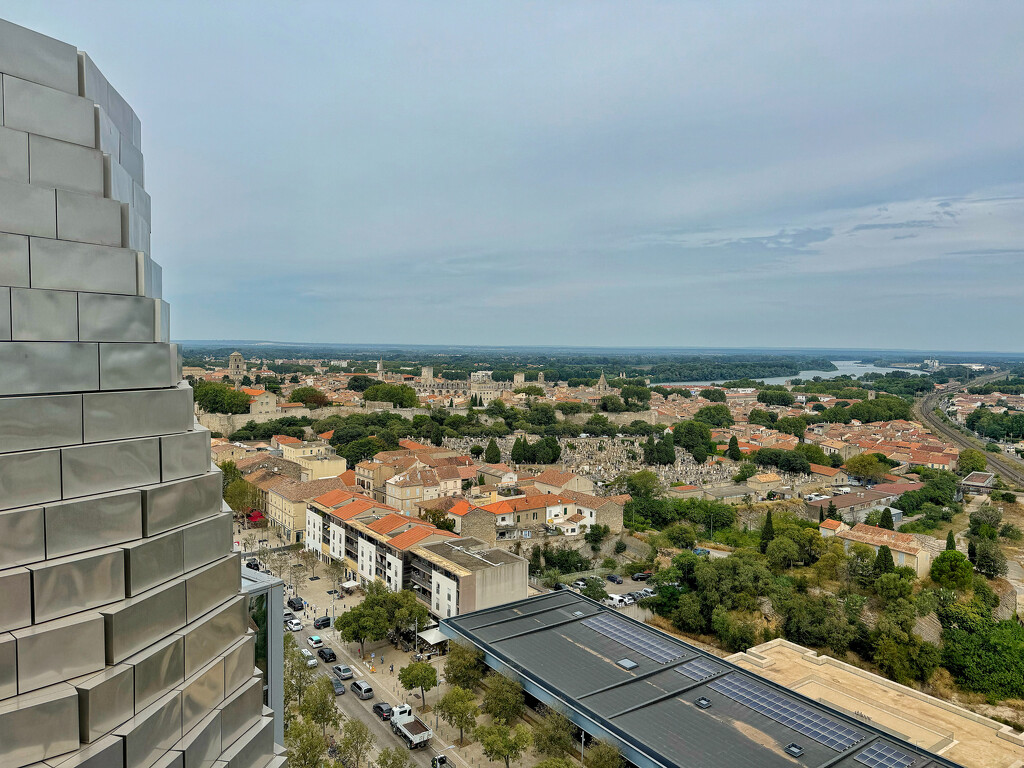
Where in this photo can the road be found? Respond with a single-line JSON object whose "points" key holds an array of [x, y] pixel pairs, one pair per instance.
{"points": [[1011, 471]]}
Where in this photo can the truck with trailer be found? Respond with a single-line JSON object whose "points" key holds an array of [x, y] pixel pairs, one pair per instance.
{"points": [[413, 730]]}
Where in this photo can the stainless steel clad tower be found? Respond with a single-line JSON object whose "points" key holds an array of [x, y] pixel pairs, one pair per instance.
{"points": [[124, 641]]}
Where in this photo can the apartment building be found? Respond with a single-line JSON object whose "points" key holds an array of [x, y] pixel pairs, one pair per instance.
{"points": [[317, 457]]}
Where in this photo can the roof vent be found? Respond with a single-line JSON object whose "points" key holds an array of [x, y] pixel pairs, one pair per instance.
{"points": [[577, 613], [627, 663], [704, 702], [793, 749]]}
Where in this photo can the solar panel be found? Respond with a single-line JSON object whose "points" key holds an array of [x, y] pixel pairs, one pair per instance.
{"points": [[700, 669], [880, 755], [641, 642], [781, 709]]}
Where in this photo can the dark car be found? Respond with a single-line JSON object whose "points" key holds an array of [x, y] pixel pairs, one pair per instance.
{"points": [[642, 576], [327, 655], [382, 710], [339, 687], [614, 578], [253, 564], [295, 603], [322, 622]]}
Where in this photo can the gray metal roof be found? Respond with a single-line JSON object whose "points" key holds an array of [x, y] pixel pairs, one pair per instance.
{"points": [[650, 708]]}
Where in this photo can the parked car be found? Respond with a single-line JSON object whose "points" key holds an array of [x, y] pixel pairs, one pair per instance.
{"points": [[327, 655], [642, 576], [647, 592], [315, 641], [560, 587], [308, 656], [342, 671], [295, 603], [637, 596], [614, 601], [382, 710], [700, 551], [580, 583], [627, 600], [294, 625], [252, 564], [362, 689], [339, 687], [614, 578], [322, 622]]}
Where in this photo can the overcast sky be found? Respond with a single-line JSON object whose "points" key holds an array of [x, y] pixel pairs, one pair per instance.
{"points": [[586, 173]]}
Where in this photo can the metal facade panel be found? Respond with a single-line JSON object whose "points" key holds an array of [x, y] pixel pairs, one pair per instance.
{"points": [[152, 732], [48, 112], [88, 219], [77, 583], [213, 633], [26, 209], [33, 368], [41, 59], [21, 537], [62, 264], [107, 752], [170, 760], [31, 423], [65, 166], [14, 269], [158, 669], [116, 318], [15, 598], [254, 748], [183, 501], [136, 366], [202, 745], [211, 585], [119, 182], [29, 478], [163, 321], [59, 650], [44, 315], [105, 700], [131, 159], [120, 415], [186, 454], [14, 155], [143, 620], [240, 710], [207, 540], [5, 314], [8, 666], [102, 467], [153, 561], [92, 522], [201, 693], [109, 136], [39, 726], [239, 662]]}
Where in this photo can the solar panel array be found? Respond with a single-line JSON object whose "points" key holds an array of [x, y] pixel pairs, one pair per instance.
{"points": [[641, 642], [822, 729], [880, 755], [700, 669]]}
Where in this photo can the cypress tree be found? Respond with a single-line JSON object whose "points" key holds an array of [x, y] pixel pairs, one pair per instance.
{"points": [[886, 521], [767, 532], [883, 561], [972, 551], [821, 514], [493, 454], [950, 542], [734, 451]]}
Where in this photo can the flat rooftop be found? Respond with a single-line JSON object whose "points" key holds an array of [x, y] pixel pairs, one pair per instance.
{"points": [[644, 688], [470, 553]]}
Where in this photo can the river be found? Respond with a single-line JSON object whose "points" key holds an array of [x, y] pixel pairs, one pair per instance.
{"points": [[846, 367]]}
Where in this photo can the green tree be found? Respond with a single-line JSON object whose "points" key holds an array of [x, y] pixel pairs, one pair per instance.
{"points": [[400, 395], [714, 395], [318, 704], [229, 473], [306, 745], [832, 513], [866, 466], [643, 484], [552, 735], [499, 742], [952, 570], [463, 666], [767, 532], [601, 754], [782, 552], [356, 741], [734, 451], [242, 495], [294, 379], [476, 451], [503, 699], [393, 757], [594, 590], [361, 623], [883, 561], [699, 454], [971, 460], [297, 676], [950, 541], [714, 415], [990, 560], [311, 397], [218, 397], [886, 520], [458, 708], [361, 383], [493, 453], [418, 674]]}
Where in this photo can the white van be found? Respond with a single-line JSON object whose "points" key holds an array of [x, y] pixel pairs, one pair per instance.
{"points": [[615, 601], [308, 656]]}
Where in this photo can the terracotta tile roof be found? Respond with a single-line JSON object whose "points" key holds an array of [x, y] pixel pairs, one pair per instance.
{"points": [[555, 478], [416, 534], [348, 477], [412, 445], [390, 522], [326, 435], [830, 524], [303, 491], [460, 508], [819, 469], [253, 392], [870, 534], [286, 440], [338, 496], [898, 488], [358, 507]]}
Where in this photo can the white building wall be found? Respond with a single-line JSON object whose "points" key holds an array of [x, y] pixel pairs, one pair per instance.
{"points": [[444, 595], [393, 572], [367, 553]]}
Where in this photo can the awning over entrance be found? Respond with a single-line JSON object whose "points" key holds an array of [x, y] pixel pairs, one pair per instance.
{"points": [[350, 585], [433, 636]]}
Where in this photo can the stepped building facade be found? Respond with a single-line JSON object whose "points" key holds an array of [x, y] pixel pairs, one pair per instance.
{"points": [[124, 639]]}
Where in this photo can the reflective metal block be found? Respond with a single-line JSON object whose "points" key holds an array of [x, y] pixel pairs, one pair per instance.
{"points": [[131, 159], [5, 314], [105, 700], [41, 59], [77, 583], [211, 585], [29, 478], [201, 693], [139, 621], [92, 522], [119, 183], [93, 85], [102, 467], [142, 202], [174, 504], [32, 368], [120, 415], [14, 260], [136, 366], [48, 112], [40, 725], [15, 598], [239, 661], [44, 315], [62, 264], [107, 752], [21, 538], [120, 112], [213, 633], [240, 710], [202, 745], [26, 209], [14, 155], [170, 760], [109, 136], [30, 423], [184, 455], [207, 540], [116, 318], [88, 219], [152, 731], [65, 166], [59, 650], [255, 748], [8, 666], [158, 669], [163, 321], [153, 561]]}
